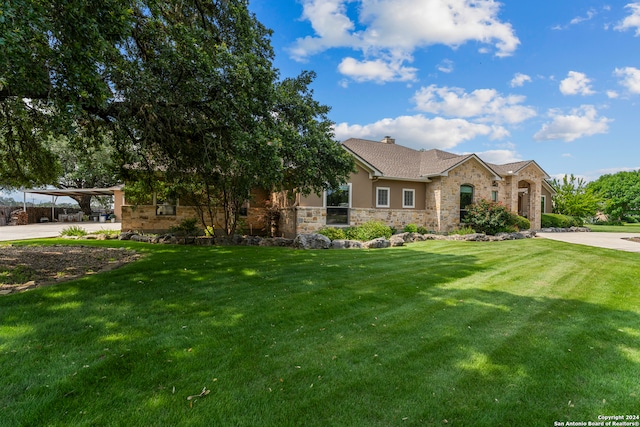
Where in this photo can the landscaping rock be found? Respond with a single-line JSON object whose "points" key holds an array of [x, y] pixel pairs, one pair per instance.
{"points": [[251, 241], [475, 237], [126, 235], [378, 243], [398, 240], [311, 241], [346, 244], [276, 241]]}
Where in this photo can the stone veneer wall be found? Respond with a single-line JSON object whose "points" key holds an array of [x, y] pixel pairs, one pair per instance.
{"points": [[143, 218], [469, 173], [311, 219]]}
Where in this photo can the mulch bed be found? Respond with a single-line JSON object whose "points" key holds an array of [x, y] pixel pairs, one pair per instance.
{"points": [[28, 267]]}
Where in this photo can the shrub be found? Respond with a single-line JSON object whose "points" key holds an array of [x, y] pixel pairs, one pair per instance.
{"points": [[333, 233], [73, 230], [187, 227], [490, 218], [462, 231], [423, 230], [410, 228], [560, 221], [522, 223], [368, 231]]}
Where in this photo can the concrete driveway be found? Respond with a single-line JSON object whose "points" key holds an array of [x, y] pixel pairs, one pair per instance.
{"points": [[601, 240], [38, 231]]}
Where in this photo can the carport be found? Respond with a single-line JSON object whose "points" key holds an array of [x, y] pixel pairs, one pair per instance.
{"points": [[66, 192]]}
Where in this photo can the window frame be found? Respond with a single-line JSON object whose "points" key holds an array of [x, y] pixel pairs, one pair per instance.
{"points": [[380, 205], [348, 207], [543, 203], [412, 191]]}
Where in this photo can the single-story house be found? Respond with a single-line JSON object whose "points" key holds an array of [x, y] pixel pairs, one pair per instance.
{"points": [[399, 185], [393, 184]]}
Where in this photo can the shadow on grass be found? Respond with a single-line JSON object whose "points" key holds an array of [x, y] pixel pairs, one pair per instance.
{"points": [[351, 337]]}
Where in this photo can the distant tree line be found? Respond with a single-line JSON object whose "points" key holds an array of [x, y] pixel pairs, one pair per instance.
{"points": [[615, 195]]}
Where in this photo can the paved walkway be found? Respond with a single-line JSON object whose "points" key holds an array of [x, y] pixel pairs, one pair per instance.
{"points": [[602, 240], [38, 231]]}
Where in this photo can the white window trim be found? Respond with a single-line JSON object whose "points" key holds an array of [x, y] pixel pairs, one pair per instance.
{"points": [[543, 199], [413, 197], [378, 205], [324, 197]]}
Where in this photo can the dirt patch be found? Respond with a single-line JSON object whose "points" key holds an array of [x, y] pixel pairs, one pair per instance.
{"points": [[633, 239], [27, 267]]}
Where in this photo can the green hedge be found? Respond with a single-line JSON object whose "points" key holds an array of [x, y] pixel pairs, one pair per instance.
{"points": [[368, 231], [560, 221]]}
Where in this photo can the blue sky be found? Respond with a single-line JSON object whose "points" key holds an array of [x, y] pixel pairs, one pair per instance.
{"points": [[553, 81]]}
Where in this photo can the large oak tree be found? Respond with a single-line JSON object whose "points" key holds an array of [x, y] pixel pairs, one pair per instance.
{"points": [[185, 88]]}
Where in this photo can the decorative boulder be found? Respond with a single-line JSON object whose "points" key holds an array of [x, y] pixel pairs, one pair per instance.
{"points": [[346, 244], [276, 241], [378, 243], [311, 241], [398, 240]]}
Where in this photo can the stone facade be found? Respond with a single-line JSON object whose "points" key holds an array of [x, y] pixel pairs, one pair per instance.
{"points": [[143, 218]]}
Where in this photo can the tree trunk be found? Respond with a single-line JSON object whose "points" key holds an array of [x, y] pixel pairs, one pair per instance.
{"points": [[85, 203]]}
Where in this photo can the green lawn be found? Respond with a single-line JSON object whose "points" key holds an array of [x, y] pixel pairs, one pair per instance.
{"points": [[626, 228], [514, 333]]}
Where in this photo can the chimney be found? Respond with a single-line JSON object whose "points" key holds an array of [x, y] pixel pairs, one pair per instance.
{"points": [[388, 140]]}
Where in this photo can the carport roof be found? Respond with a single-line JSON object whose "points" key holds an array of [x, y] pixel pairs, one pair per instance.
{"points": [[74, 191]]}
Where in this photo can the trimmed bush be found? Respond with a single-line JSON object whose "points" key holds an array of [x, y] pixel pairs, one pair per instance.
{"points": [[410, 228], [333, 233], [462, 231], [423, 230], [368, 231], [560, 221], [522, 223]]}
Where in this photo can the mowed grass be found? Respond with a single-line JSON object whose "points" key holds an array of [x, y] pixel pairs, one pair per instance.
{"points": [[626, 228], [436, 333]]}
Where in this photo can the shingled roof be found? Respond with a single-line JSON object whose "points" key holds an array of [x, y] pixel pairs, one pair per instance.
{"points": [[396, 161]]}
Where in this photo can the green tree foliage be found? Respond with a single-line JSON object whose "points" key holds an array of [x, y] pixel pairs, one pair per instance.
{"points": [[620, 193], [182, 87], [84, 164], [573, 198]]}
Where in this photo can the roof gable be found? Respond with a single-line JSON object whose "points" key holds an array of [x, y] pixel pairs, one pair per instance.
{"points": [[398, 162]]}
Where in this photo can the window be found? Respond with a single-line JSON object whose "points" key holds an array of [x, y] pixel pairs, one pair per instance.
{"points": [[543, 203], [494, 196], [408, 198], [338, 202], [244, 209], [466, 198], [165, 206], [382, 197]]}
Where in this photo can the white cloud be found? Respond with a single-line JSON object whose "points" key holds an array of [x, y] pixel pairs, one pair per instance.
{"points": [[377, 70], [581, 122], [519, 80], [396, 28], [417, 131], [482, 104], [576, 84], [632, 21], [612, 94], [446, 66], [578, 19], [630, 78], [500, 157]]}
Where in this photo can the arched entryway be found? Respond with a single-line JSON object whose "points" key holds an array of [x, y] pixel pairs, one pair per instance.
{"points": [[524, 199]]}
